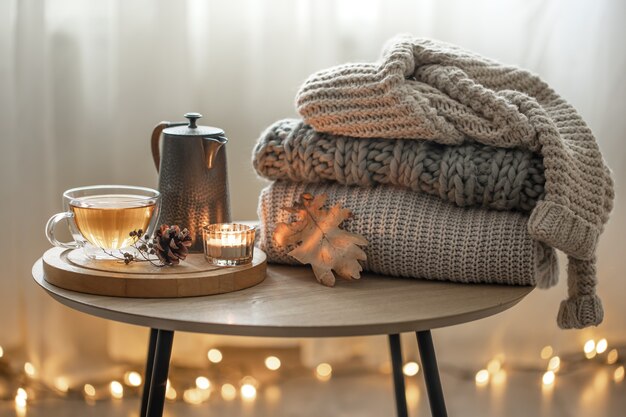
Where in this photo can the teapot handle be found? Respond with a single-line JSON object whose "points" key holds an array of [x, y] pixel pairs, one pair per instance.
{"points": [[154, 141]]}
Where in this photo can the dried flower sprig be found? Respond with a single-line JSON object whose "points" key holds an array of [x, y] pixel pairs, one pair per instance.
{"points": [[170, 244]]}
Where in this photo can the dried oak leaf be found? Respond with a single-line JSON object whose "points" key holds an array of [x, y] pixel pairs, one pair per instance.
{"points": [[319, 241]]}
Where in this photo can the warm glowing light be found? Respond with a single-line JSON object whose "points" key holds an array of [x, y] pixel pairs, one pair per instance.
{"points": [[548, 378], [89, 390], [20, 402], [117, 390], [410, 369], [323, 371], [248, 392], [611, 358], [229, 392], [132, 378], [1, 352], [554, 364], [21, 393], [193, 396], [590, 355], [482, 377], [215, 355], [249, 380], [601, 346], [546, 352], [170, 392], [61, 384], [272, 363], [499, 377], [494, 366], [590, 346], [203, 382], [29, 369], [618, 375]]}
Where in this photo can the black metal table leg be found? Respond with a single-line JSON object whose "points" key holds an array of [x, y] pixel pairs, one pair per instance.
{"points": [[147, 376], [431, 374], [161, 365], [398, 378]]}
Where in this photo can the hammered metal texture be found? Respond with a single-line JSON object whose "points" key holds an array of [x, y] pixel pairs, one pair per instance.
{"points": [[192, 195]]}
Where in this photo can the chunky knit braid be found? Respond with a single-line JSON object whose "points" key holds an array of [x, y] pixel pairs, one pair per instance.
{"points": [[470, 174], [431, 90]]}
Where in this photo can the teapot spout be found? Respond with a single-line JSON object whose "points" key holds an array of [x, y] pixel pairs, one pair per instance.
{"points": [[212, 146]]}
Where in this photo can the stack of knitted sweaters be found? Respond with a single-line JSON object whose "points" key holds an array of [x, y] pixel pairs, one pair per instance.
{"points": [[455, 167]]}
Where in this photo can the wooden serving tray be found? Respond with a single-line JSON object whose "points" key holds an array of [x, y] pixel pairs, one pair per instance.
{"points": [[72, 270]]}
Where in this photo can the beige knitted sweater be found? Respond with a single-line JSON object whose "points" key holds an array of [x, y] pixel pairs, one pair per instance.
{"points": [[420, 236], [424, 89]]}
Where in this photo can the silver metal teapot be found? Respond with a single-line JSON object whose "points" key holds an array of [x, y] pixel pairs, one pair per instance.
{"points": [[193, 179]]}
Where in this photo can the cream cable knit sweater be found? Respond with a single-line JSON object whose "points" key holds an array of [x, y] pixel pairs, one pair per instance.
{"points": [[420, 235], [469, 174], [424, 89]]}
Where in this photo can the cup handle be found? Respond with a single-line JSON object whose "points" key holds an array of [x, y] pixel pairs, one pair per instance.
{"points": [[50, 230]]}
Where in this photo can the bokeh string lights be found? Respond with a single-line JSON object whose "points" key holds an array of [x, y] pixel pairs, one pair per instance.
{"points": [[23, 386], [594, 354]]}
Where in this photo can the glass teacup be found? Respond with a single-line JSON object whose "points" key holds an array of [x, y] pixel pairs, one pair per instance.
{"points": [[101, 217]]}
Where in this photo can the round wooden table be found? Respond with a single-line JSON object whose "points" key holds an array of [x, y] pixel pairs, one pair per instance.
{"points": [[290, 303]]}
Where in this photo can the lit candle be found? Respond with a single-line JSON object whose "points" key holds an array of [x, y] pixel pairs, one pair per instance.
{"points": [[228, 244]]}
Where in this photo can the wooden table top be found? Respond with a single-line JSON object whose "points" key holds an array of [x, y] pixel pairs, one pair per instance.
{"points": [[290, 303]]}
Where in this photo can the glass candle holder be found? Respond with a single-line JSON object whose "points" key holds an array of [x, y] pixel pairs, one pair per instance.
{"points": [[228, 244]]}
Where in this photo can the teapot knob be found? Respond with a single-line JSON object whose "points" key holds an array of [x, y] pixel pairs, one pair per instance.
{"points": [[192, 119]]}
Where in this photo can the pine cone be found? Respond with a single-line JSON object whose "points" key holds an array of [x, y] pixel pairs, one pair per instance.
{"points": [[171, 244]]}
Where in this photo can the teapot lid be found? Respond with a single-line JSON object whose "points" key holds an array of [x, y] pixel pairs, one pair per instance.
{"points": [[192, 129]]}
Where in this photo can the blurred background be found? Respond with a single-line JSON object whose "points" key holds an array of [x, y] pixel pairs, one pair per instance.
{"points": [[82, 83]]}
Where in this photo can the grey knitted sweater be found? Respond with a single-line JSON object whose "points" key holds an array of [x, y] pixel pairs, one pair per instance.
{"points": [[424, 89], [420, 235], [469, 174]]}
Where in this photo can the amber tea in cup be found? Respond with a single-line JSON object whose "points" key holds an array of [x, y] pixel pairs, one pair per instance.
{"points": [[106, 220], [103, 216]]}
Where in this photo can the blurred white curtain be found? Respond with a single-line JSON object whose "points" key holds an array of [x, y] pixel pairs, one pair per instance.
{"points": [[83, 82]]}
